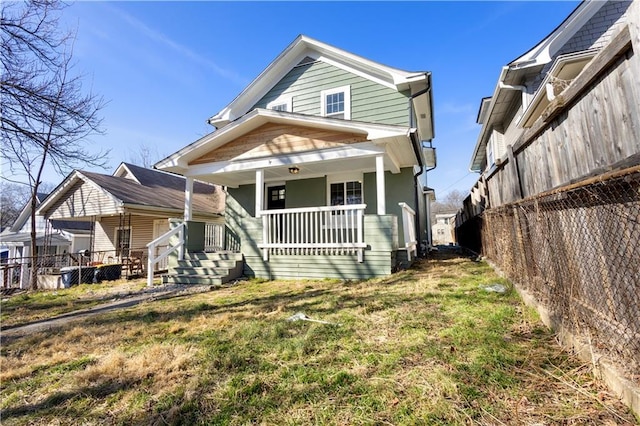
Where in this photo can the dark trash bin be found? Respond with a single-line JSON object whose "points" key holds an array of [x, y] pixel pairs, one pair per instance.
{"points": [[109, 272]]}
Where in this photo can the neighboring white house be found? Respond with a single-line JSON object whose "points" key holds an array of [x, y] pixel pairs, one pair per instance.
{"points": [[529, 84], [128, 209], [53, 238], [444, 229]]}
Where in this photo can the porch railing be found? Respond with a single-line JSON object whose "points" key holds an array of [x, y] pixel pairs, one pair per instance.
{"points": [[331, 230], [214, 236], [164, 240], [409, 228]]}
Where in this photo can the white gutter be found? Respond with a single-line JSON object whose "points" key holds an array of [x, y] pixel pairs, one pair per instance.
{"points": [[485, 127], [483, 130], [523, 89]]}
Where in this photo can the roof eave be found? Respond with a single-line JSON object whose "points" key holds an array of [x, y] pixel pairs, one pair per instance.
{"points": [[306, 46], [178, 162], [544, 51]]}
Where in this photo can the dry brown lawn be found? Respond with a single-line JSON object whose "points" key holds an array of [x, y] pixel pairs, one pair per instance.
{"points": [[423, 346]]}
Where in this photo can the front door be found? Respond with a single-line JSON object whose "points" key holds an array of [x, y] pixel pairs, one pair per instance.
{"points": [[275, 197]]}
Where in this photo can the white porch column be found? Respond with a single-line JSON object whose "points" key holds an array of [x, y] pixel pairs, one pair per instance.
{"points": [[380, 191], [259, 191], [188, 199]]}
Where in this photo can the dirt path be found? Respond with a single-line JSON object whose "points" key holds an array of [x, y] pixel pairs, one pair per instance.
{"points": [[165, 292]]}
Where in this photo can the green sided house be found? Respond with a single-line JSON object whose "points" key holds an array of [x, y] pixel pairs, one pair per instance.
{"points": [[324, 158]]}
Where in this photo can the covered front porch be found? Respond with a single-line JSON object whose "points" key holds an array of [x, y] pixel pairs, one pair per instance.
{"points": [[311, 196]]}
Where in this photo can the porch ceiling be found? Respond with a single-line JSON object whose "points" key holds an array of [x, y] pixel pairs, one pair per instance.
{"points": [[317, 146], [306, 170]]}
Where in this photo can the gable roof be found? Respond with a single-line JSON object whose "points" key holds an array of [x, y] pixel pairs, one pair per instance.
{"points": [[493, 109], [12, 233], [25, 213], [303, 48], [399, 137], [150, 189]]}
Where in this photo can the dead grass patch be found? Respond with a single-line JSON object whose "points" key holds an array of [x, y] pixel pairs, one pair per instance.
{"points": [[40, 304]]}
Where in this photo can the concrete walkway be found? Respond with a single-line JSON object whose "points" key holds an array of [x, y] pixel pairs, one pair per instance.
{"points": [[123, 301]]}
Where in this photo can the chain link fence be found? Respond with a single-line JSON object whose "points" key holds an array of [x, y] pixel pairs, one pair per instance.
{"points": [[577, 251]]}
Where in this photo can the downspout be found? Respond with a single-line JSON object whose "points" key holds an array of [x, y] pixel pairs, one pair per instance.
{"points": [[521, 88], [416, 150]]}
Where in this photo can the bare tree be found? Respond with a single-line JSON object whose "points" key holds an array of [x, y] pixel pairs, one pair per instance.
{"points": [[12, 199], [45, 116], [145, 156]]}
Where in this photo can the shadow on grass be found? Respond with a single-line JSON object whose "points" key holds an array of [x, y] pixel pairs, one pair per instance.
{"points": [[56, 400], [44, 306], [309, 301]]}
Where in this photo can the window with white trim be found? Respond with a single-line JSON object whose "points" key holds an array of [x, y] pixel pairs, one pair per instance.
{"points": [[345, 193], [336, 103], [345, 189], [283, 103], [123, 241]]}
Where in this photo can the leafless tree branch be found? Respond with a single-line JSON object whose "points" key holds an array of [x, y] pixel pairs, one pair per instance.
{"points": [[45, 116]]}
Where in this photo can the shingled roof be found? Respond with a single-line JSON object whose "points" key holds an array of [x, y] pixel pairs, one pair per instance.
{"points": [[139, 186]]}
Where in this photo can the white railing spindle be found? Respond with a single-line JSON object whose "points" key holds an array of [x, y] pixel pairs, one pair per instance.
{"points": [[314, 230]]}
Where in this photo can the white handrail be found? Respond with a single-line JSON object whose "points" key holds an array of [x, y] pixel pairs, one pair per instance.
{"points": [[409, 228], [314, 230], [163, 240], [315, 209]]}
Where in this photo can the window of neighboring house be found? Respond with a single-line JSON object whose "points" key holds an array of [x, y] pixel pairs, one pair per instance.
{"points": [[123, 241], [281, 104], [336, 102], [490, 157]]}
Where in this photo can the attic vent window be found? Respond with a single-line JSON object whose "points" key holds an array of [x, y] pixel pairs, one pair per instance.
{"points": [[279, 107], [283, 103], [336, 103], [306, 61]]}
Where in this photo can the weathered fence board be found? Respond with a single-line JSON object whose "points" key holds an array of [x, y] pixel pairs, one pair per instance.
{"points": [[594, 125]]}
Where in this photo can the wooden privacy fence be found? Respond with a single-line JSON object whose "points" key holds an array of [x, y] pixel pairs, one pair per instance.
{"points": [[592, 127], [577, 251]]}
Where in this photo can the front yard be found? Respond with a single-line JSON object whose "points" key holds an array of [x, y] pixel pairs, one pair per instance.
{"points": [[424, 346]]}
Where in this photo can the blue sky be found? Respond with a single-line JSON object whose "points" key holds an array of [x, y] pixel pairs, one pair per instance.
{"points": [[165, 67]]}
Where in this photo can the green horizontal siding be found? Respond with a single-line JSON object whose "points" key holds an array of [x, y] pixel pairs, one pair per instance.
{"points": [[380, 234], [306, 193], [319, 266], [370, 101], [398, 188]]}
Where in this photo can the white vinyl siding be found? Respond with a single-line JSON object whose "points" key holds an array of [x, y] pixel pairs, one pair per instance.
{"points": [[141, 235], [83, 200], [370, 101]]}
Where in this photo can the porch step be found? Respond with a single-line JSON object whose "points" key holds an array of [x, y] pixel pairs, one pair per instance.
{"points": [[205, 269], [219, 256], [201, 270], [192, 279]]}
